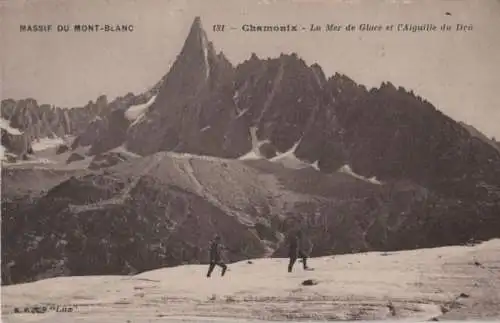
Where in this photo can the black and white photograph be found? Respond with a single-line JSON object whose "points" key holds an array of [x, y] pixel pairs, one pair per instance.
{"points": [[250, 160]]}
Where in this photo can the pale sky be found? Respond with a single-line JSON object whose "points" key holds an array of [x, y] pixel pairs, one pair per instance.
{"points": [[459, 72]]}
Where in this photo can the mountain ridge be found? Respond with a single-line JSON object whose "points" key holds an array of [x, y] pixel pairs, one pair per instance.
{"points": [[262, 89]]}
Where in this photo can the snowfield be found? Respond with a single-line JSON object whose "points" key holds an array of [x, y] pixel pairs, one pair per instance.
{"points": [[289, 160], [135, 112], [459, 282], [254, 152], [3, 155], [346, 169], [46, 143], [5, 124]]}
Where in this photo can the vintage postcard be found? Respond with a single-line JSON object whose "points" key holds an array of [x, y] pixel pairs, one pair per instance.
{"points": [[250, 161]]}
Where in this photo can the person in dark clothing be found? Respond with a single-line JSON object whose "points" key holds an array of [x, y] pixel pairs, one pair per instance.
{"points": [[216, 257], [296, 249], [6, 273]]}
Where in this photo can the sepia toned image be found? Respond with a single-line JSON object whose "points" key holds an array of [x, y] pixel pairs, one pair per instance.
{"points": [[250, 161]]}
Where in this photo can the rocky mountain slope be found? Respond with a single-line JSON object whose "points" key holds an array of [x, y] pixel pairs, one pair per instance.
{"points": [[206, 106], [35, 122], [109, 130], [481, 136], [250, 152], [27, 125], [163, 209]]}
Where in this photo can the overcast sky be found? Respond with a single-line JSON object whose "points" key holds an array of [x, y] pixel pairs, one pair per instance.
{"points": [[459, 72]]}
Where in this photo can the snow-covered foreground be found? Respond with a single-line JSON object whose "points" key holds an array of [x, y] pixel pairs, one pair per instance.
{"points": [[417, 285]]}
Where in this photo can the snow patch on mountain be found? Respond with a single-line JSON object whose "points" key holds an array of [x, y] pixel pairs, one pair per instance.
{"points": [[5, 124], [36, 161], [289, 160], [253, 136], [236, 95], [193, 156], [254, 153], [122, 150], [135, 112], [242, 113], [46, 143], [251, 155], [346, 169], [204, 43], [315, 165], [3, 155]]}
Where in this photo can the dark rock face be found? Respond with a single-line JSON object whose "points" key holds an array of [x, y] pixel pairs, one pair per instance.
{"points": [[392, 134], [194, 104], [26, 184], [111, 133], [74, 157], [61, 149], [15, 144], [109, 130], [109, 159], [478, 134]]}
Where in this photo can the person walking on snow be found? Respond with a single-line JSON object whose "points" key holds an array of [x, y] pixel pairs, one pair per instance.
{"points": [[216, 256], [298, 247]]}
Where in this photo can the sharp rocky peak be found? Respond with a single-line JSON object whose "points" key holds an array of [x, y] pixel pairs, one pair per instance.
{"points": [[196, 90], [198, 47]]}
